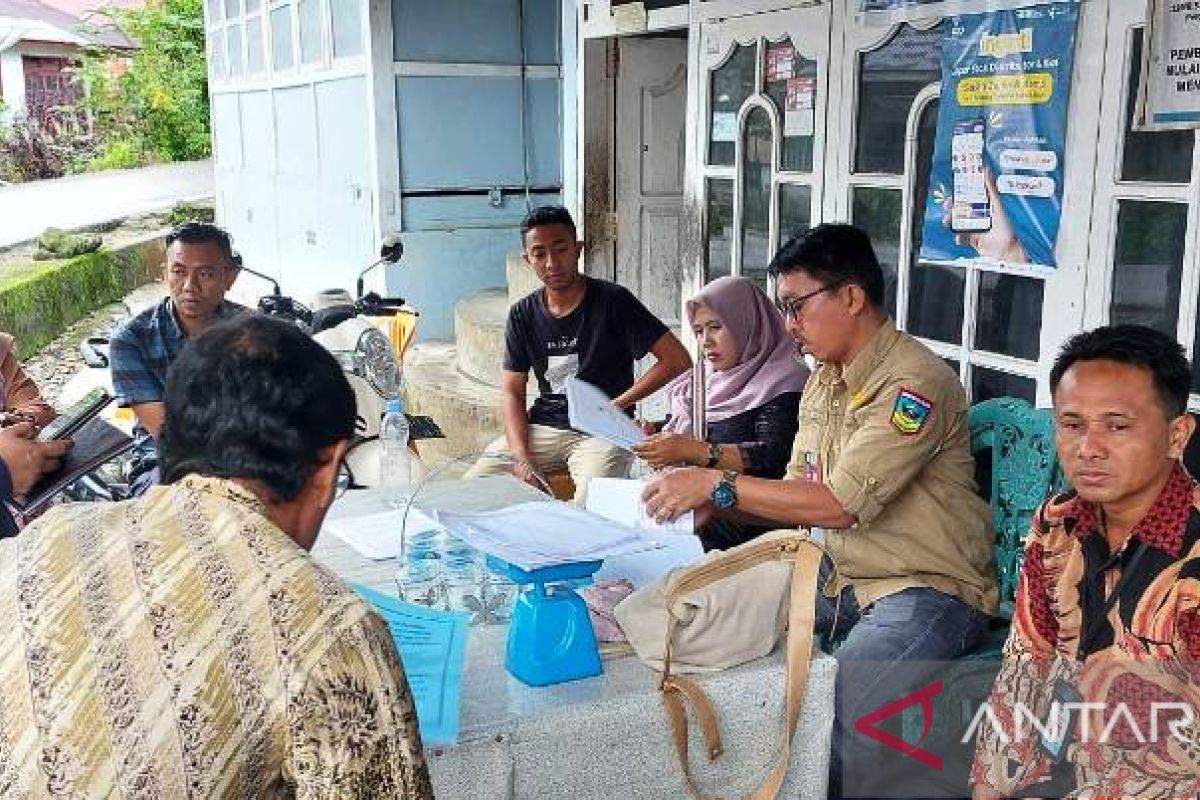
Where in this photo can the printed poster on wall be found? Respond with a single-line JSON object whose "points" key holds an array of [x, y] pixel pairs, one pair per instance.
{"points": [[996, 183], [887, 12], [1169, 91]]}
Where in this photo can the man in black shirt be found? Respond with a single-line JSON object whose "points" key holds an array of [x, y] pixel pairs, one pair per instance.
{"points": [[577, 326]]}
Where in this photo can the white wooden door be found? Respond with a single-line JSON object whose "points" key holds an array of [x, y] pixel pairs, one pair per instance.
{"points": [[651, 123]]}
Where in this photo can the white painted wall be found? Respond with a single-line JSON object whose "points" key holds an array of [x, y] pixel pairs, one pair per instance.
{"points": [[12, 82]]}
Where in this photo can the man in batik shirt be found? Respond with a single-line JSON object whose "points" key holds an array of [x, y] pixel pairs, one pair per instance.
{"points": [[185, 644], [1099, 690]]}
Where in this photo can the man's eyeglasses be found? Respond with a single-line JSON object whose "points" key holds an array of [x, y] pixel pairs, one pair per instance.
{"points": [[791, 309]]}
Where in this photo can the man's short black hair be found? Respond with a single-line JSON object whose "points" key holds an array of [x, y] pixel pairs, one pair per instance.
{"points": [[205, 233], [253, 398], [547, 215], [1138, 346], [834, 254]]}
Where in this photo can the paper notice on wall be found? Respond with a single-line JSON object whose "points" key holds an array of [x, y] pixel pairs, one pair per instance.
{"points": [[630, 17], [799, 107], [1169, 90], [781, 60], [724, 127]]}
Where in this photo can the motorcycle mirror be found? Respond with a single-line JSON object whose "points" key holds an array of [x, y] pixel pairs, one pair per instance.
{"points": [[390, 251], [267, 278]]}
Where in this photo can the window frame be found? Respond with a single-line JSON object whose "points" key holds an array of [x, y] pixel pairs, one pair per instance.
{"points": [[1111, 190]]}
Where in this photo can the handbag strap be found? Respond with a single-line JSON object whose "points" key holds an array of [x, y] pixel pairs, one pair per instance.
{"points": [[678, 691]]}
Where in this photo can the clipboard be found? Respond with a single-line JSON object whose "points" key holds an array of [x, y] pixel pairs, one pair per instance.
{"points": [[95, 443]]}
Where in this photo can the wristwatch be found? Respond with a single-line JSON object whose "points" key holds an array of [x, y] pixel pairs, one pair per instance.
{"points": [[724, 494], [714, 455]]}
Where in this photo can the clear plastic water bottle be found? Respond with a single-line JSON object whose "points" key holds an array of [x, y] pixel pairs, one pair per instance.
{"points": [[395, 459]]}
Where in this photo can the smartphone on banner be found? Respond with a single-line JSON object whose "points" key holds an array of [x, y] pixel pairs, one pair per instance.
{"points": [[971, 210]]}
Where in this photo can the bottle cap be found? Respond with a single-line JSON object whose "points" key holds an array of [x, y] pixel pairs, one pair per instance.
{"points": [[395, 405]]}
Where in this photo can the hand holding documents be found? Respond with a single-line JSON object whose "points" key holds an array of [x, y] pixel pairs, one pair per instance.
{"points": [[591, 411], [433, 649], [544, 534], [620, 499]]}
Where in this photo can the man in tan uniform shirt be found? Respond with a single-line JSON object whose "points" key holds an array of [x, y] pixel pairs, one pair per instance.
{"points": [[882, 462]]}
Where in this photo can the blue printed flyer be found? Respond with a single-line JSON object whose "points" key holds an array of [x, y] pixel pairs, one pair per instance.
{"points": [[996, 184]]}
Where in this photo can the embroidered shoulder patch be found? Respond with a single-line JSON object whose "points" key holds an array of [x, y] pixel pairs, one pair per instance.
{"points": [[911, 412]]}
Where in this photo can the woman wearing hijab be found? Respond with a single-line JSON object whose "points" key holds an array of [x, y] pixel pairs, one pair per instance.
{"points": [[753, 383]]}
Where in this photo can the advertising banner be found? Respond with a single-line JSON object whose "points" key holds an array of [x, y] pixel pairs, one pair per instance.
{"points": [[996, 183], [886, 12], [1169, 92]]}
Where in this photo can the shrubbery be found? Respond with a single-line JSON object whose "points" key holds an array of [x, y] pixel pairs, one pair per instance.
{"points": [[149, 105]]}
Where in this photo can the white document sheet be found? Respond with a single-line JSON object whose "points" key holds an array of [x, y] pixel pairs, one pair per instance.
{"points": [[651, 565], [620, 499], [591, 411], [377, 536], [544, 534]]}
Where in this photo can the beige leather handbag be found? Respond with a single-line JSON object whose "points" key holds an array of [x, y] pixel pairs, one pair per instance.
{"points": [[725, 610]]}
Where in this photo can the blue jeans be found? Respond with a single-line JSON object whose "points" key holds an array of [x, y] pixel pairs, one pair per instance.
{"points": [[891, 649]]}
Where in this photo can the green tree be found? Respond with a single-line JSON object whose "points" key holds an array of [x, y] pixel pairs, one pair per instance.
{"points": [[150, 105]]}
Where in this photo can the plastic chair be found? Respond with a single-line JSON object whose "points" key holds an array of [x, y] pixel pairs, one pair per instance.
{"points": [[1013, 445]]}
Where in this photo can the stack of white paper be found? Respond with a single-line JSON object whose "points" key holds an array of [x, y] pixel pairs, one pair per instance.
{"points": [[620, 499], [377, 536], [591, 411], [544, 534]]}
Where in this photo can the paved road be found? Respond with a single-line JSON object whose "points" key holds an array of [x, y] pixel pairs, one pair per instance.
{"points": [[29, 208]]}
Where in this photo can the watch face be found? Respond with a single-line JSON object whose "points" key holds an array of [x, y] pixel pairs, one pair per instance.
{"points": [[723, 496]]}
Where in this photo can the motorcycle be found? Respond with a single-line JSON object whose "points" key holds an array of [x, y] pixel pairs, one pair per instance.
{"points": [[352, 329]]}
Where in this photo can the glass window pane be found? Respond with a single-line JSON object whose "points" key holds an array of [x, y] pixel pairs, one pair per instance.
{"points": [[253, 6], [719, 224], [953, 364], [1148, 264], [1162, 156], [233, 9], [756, 195], [234, 34], [795, 210], [214, 11], [1196, 368], [282, 56], [988, 383], [790, 80], [216, 53], [309, 12], [732, 83], [878, 212], [255, 61], [889, 78], [935, 302], [1009, 316], [347, 28]]}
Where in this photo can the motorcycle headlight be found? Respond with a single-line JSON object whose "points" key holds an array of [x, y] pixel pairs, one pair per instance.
{"points": [[374, 360]]}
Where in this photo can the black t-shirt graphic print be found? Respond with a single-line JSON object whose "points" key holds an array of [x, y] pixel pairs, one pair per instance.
{"points": [[598, 342]]}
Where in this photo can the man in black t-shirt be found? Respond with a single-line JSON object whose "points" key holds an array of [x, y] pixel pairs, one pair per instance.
{"points": [[577, 326]]}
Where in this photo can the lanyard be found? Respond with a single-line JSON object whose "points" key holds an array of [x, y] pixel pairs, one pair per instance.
{"points": [[1093, 627]]}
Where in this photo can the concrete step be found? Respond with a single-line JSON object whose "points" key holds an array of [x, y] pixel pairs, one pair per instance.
{"points": [[479, 335], [467, 410], [520, 277]]}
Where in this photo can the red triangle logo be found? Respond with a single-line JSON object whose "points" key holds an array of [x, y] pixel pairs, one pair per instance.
{"points": [[867, 724]]}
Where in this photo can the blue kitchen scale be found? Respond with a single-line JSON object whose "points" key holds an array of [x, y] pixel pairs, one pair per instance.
{"points": [[550, 637]]}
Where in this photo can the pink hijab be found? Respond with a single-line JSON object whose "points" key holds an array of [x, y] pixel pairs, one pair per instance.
{"points": [[767, 366]]}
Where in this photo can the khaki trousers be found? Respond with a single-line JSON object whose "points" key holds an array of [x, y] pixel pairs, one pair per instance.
{"points": [[552, 449]]}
